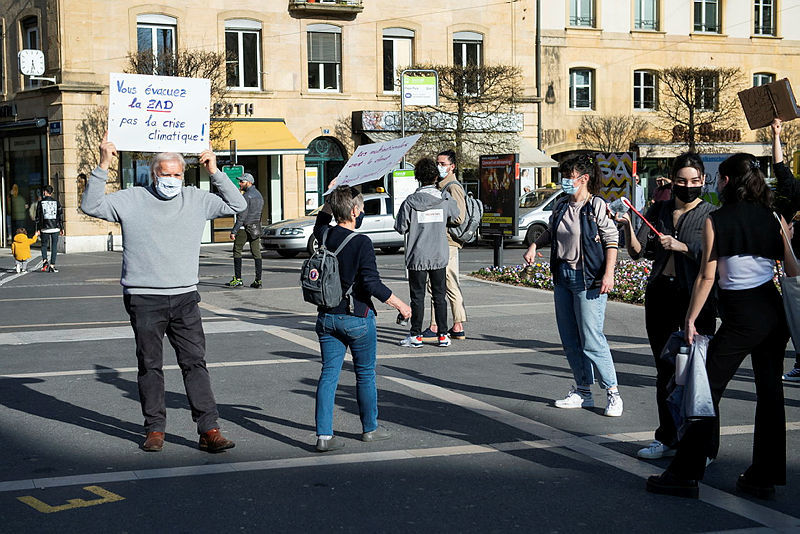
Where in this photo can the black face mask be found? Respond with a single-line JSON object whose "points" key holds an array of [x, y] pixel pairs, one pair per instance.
{"points": [[359, 219], [686, 194]]}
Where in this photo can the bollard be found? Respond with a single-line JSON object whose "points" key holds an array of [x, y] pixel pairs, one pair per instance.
{"points": [[110, 244]]}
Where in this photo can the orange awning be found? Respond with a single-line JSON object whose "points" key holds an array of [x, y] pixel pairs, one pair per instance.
{"points": [[258, 137]]}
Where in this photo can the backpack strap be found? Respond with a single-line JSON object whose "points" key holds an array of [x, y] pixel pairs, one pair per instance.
{"points": [[336, 253], [456, 182], [346, 240]]}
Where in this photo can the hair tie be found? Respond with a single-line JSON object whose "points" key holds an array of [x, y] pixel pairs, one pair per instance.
{"points": [[755, 164]]}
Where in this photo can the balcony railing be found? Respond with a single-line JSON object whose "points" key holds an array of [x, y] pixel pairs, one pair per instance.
{"points": [[326, 7]]}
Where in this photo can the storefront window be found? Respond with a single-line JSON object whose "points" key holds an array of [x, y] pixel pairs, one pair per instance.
{"points": [[25, 164]]}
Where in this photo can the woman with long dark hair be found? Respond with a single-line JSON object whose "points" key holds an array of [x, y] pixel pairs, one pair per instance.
{"points": [[741, 242], [583, 254], [676, 256]]}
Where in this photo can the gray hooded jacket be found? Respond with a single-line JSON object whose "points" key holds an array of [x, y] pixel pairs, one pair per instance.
{"points": [[424, 216]]}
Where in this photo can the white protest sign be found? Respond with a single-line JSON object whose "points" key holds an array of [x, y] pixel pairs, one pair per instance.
{"points": [[374, 160], [159, 113]]}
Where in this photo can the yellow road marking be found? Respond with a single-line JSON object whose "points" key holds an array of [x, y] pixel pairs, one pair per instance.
{"points": [[105, 496]]}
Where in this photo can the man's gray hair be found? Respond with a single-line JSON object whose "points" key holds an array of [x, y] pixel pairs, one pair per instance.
{"points": [[165, 156], [342, 200]]}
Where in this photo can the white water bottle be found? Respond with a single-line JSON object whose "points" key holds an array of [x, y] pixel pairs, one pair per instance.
{"points": [[681, 365]]}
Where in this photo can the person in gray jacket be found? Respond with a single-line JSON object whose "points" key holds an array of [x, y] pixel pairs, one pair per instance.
{"points": [[424, 216], [162, 227], [247, 229]]}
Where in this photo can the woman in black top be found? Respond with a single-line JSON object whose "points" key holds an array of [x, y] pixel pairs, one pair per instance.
{"points": [[676, 261], [351, 323], [741, 242]]}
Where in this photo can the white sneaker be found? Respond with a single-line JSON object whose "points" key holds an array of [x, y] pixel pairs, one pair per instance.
{"points": [[656, 450], [614, 407], [411, 341], [575, 399], [444, 341], [17, 268]]}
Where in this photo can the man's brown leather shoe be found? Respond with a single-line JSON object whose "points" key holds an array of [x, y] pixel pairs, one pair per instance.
{"points": [[154, 442], [214, 441]]}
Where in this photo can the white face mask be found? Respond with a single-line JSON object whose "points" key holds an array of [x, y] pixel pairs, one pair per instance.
{"points": [[168, 187], [443, 171]]}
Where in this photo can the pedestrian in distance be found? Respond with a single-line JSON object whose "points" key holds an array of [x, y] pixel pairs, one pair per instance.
{"points": [[583, 253], [788, 188], [162, 228], [676, 256], [247, 229], [447, 181], [741, 241], [50, 223], [663, 189], [350, 323], [21, 249], [424, 215], [17, 207]]}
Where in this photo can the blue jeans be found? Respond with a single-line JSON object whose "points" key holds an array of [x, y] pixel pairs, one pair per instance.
{"points": [[336, 333], [49, 240], [580, 315]]}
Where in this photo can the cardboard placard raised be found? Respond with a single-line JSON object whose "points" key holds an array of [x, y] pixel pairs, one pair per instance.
{"points": [[764, 103]]}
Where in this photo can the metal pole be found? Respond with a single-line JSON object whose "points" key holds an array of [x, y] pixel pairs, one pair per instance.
{"points": [[403, 113], [538, 54], [3, 223]]}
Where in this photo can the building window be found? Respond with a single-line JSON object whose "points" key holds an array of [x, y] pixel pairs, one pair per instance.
{"points": [[30, 41], [705, 87], [155, 35], [580, 89], [324, 57], [706, 16], [398, 46], [468, 52], [243, 53], [644, 90], [762, 78], [581, 13], [646, 15], [764, 17]]}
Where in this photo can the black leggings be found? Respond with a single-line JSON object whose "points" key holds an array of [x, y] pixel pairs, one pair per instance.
{"points": [[753, 322]]}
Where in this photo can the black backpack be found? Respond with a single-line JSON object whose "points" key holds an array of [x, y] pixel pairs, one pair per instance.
{"points": [[467, 231], [319, 277]]}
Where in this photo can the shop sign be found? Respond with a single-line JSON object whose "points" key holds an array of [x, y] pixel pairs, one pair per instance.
{"points": [[234, 108], [420, 121]]}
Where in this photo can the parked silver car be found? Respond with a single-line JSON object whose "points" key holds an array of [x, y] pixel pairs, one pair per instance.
{"points": [[290, 237], [535, 208]]}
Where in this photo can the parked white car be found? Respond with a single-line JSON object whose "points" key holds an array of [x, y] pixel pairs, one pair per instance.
{"points": [[290, 237], [535, 208]]}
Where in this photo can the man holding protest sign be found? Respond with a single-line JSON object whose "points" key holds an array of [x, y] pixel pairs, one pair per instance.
{"points": [[162, 228]]}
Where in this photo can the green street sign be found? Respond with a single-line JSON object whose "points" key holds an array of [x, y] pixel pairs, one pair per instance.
{"points": [[234, 172], [403, 173]]}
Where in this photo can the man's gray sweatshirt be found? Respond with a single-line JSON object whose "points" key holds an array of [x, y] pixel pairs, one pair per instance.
{"points": [[424, 215], [161, 238], [252, 215]]}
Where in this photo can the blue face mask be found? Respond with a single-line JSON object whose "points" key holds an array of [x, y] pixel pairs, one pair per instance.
{"points": [[359, 219], [168, 186], [568, 186]]}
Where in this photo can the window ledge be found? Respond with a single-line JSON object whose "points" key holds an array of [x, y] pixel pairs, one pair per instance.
{"points": [[249, 91], [325, 94], [766, 37], [583, 29], [708, 36], [642, 32]]}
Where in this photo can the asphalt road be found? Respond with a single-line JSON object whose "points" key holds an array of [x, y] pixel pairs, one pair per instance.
{"points": [[477, 445]]}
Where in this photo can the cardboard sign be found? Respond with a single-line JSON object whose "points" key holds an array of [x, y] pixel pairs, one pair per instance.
{"points": [[374, 160], [766, 102], [159, 113]]}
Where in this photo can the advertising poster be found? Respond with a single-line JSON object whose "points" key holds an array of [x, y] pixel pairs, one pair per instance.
{"points": [[311, 179], [499, 192], [711, 163], [159, 113], [527, 179], [616, 175], [312, 201]]}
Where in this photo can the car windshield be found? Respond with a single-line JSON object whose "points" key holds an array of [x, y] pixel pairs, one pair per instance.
{"points": [[534, 199]]}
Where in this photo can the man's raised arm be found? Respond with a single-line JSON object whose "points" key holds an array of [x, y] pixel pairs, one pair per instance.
{"points": [[94, 201]]}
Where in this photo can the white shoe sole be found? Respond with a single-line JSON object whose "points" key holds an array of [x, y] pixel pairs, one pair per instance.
{"points": [[586, 404], [645, 456]]}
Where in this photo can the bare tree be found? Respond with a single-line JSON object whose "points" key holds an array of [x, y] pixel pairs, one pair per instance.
{"points": [[611, 133], [699, 105], [190, 64], [472, 99]]}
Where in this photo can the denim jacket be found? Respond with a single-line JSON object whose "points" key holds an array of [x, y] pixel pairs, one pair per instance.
{"points": [[593, 255]]}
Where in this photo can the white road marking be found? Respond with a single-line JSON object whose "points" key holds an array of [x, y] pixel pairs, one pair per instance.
{"points": [[14, 276]]}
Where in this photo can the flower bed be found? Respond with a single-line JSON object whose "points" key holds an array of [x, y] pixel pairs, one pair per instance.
{"points": [[630, 278]]}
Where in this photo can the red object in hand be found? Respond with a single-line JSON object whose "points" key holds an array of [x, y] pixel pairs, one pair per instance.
{"points": [[628, 203]]}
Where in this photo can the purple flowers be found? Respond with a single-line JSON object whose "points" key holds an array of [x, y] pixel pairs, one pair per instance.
{"points": [[630, 278]]}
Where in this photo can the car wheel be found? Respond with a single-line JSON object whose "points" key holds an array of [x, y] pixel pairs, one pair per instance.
{"points": [[287, 253], [312, 245], [390, 250], [533, 233]]}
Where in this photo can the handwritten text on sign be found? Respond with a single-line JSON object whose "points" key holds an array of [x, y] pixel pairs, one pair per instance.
{"points": [[158, 113], [374, 160]]}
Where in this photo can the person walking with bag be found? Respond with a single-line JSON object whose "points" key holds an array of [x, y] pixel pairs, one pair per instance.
{"points": [[741, 242], [583, 254], [351, 322], [247, 229], [676, 256]]}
